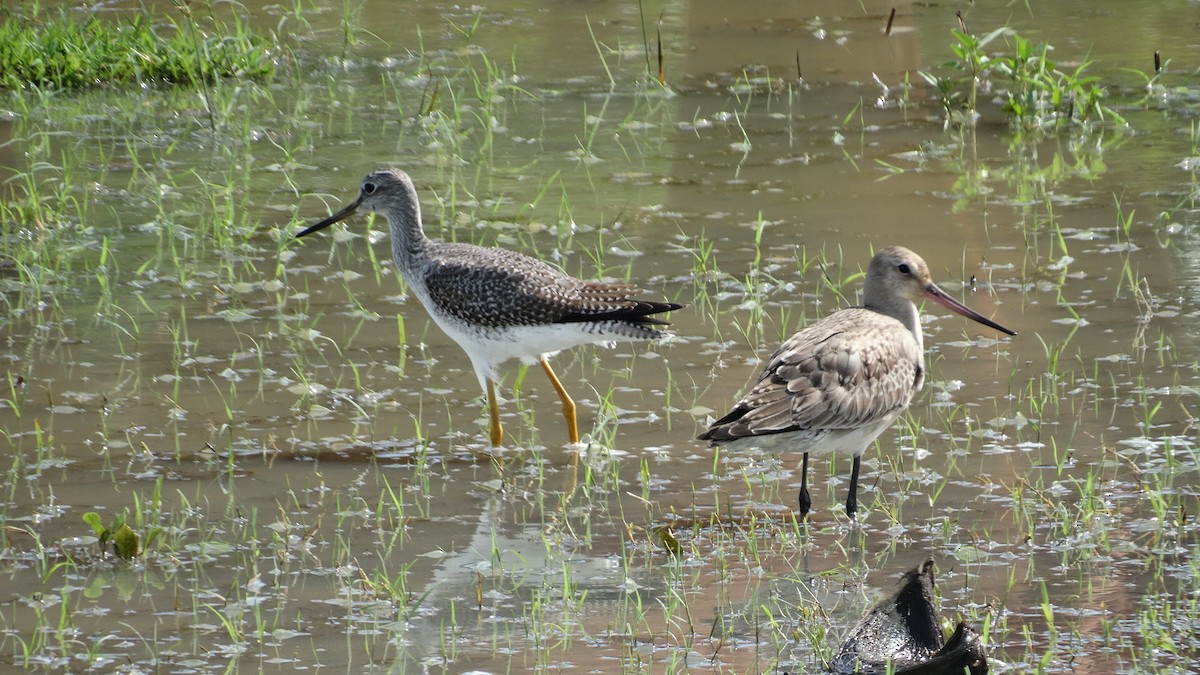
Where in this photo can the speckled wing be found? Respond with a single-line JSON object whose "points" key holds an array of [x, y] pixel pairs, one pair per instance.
{"points": [[496, 288], [843, 372]]}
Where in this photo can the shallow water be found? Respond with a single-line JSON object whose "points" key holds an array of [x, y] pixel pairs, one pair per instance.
{"points": [[309, 452]]}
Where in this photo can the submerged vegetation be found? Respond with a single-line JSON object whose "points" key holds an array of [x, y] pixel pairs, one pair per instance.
{"points": [[71, 50], [226, 451]]}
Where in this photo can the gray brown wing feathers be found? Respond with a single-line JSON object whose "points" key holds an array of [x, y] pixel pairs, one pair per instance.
{"points": [[853, 367], [496, 288]]}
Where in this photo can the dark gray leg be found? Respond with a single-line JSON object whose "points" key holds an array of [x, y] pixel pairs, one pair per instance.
{"points": [[852, 498], [805, 499]]}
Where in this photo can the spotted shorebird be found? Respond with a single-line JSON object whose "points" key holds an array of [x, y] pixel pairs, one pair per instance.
{"points": [[497, 304], [838, 384]]}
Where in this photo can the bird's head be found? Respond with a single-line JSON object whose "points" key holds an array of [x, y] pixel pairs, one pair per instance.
{"points": [[384, 191]]}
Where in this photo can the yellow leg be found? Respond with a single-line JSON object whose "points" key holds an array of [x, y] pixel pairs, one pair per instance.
{"points": [[568, 406], [496, 431]]}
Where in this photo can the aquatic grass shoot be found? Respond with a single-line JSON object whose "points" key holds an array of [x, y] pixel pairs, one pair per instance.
{"points": [[1036, 95]]}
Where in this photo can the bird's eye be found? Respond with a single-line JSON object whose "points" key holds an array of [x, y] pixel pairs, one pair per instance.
{"points": [[904, 269], [368, 188]]}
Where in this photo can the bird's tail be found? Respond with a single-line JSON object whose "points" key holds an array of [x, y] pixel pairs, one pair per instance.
{"points": [[639, 313]]}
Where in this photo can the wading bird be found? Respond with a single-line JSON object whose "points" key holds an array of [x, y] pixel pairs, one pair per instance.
{"points": [[497, 304], [836, 385]]}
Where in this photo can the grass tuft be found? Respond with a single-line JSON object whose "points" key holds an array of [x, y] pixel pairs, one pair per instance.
{"points": [[65, 52]]}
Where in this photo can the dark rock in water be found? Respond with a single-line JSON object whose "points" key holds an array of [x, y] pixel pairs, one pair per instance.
{"points": [[903, 630]]}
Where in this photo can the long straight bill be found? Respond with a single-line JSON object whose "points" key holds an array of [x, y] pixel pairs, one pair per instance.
{"points": [[340, 215], [937, 295]]}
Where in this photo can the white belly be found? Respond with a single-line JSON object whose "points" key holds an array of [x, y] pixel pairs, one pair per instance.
{"points": [[487, 350]]}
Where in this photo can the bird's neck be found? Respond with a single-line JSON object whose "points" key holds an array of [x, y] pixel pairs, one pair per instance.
{"points": [[906, 313], [912, 321], [409, 243]]}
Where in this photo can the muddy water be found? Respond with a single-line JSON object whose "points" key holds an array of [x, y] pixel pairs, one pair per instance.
{"points": [[310, 453]]}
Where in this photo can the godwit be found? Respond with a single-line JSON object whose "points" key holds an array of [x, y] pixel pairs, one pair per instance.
{"points": [[838, 384], [497, 304]]}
